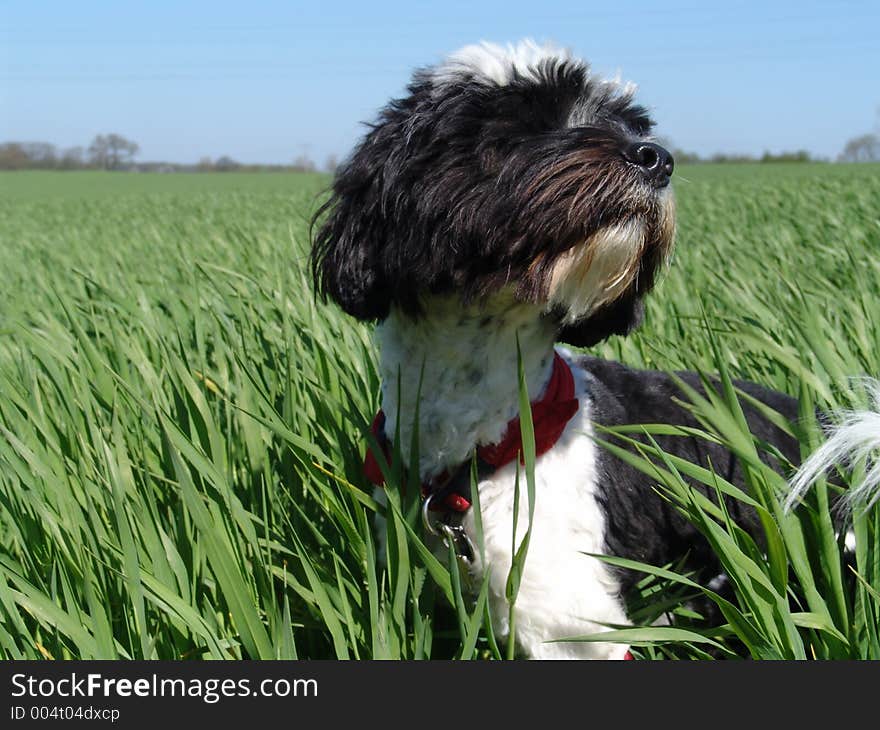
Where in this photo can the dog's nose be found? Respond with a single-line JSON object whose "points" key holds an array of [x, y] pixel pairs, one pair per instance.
{"points": [[654, 160]]}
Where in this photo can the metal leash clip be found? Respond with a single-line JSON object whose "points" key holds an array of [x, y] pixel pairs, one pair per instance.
{"points": [[452, 535]]}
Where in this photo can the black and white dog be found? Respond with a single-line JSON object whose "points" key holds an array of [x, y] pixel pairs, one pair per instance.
{"points": [[511, 196]]}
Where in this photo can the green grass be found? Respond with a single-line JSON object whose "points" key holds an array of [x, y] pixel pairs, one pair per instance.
{"points": [[181, 426], [34, 185]]}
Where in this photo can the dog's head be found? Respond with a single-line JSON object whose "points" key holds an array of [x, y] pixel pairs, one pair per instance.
{"points": [[503, 168]]}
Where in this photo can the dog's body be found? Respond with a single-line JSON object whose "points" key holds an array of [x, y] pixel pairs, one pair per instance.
{"points": [[512, 200], [587, 501]]}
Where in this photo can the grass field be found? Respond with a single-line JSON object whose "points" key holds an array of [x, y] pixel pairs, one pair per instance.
{"points": [[181, 425]]}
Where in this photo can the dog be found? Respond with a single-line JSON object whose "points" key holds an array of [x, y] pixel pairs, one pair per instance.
{"points": [[513, 201]]}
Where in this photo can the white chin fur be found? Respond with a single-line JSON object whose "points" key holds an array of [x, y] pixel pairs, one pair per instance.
{"points": [[597, 272]]}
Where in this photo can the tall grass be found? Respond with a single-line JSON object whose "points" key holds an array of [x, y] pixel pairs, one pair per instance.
{"points": [[181, 427]]}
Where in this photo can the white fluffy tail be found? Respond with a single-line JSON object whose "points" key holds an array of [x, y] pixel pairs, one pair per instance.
{"points": [[854, 440]]}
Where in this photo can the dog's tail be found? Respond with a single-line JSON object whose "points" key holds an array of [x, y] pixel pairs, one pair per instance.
{"points": [[853, 440]]}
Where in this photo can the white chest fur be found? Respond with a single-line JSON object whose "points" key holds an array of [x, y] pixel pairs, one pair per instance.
{"points": [[563, 593], [467, 365], [462, 364]]}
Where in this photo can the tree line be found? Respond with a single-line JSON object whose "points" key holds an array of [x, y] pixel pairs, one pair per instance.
{"points": [[106, 152], [115, 152], [864, 148]]}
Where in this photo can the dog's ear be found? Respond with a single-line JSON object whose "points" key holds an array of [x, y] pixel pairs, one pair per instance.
{"points": [[618, 318], [347, 246]]}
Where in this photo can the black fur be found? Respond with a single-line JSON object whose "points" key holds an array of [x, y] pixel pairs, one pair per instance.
{"points": [[466, 187], [618, 318], [640, 524]]}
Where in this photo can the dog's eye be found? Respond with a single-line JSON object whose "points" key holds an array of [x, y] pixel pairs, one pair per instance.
{"points": [[489, 159], [633, 116], [643, 128], [640, 123]]}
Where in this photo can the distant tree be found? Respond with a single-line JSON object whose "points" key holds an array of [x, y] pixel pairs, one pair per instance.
{"points": [[73, 158], [12, 156], [226, 164], [796, 156], [112, 151], [865, 148], [40, 155], [303, 163], [330, 164], [724, 157], [205, 164], [98, 152]]}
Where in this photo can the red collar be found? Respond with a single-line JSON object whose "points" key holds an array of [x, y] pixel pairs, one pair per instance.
{"points": [[550, 414]]}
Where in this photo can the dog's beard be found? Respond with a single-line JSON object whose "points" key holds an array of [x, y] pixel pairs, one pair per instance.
{"points": [[599, 271]]}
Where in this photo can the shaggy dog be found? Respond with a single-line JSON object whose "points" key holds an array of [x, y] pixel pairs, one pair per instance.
{"points": [[512, 199]]}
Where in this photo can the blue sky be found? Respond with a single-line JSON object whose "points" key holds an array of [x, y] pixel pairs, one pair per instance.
{"points": [[267, 81]]}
